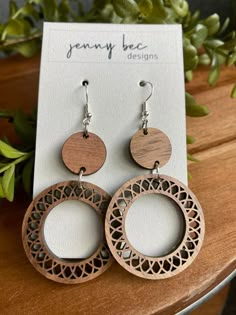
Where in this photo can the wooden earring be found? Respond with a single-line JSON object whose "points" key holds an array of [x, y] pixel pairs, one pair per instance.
{"points": [[83, 153], [151, 149]]}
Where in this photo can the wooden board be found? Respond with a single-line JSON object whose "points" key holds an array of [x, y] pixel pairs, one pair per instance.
{"points": [[219, 126], [24, 291], [215, 305]]}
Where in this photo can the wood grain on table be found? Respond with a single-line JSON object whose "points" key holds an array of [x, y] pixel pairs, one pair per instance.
{"points": [[24, 291]]}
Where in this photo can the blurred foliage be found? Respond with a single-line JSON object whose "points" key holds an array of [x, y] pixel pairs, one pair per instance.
{"points": [[205, 42], [16, 164]]}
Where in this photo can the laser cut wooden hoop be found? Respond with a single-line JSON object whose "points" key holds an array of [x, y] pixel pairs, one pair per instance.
{"points": [[40, 256], [126, 255]]}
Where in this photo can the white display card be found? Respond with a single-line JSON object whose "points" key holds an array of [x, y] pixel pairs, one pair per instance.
{"points": [[114, 59]]}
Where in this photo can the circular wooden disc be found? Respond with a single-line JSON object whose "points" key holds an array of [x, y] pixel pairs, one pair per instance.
{"points": [[81, 152], [36, 249], [126, 255], [148, 148]]}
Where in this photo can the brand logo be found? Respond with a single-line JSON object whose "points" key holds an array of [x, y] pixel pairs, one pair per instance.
{"points": [[135, 51]]}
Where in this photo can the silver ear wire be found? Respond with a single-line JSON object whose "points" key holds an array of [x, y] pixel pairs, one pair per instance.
{"points": [[144, 83], [145, 112], [87, 114]]}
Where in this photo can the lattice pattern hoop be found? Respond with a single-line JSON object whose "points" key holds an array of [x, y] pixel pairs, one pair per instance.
{"points": [[40, 256], [146, 266]]}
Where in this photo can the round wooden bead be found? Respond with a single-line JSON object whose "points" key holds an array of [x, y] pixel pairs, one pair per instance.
{"points": [[147, 148], [80, 152]]}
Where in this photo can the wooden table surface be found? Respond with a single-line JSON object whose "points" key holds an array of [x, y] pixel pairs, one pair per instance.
{"points": [[25, 291]]}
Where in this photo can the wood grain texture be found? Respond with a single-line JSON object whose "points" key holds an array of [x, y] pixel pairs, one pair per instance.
{"points": [[24, 291], [219, 126], [44, 261], [215, 305], [148, 148], [178, 259], [19, 79], [80, 152]]}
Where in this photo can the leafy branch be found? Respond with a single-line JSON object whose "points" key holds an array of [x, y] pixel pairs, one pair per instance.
{"points": [[206, 43], [16, 164]]}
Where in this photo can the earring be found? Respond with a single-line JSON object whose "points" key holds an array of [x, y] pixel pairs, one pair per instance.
{"points": [[151, 148], [83, 153]]}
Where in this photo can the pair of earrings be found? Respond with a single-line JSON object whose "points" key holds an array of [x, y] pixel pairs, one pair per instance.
{"points": [[84, 153]]}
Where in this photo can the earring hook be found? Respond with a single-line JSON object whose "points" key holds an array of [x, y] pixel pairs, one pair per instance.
{"points": [[85, 84], [87, 115], [145, 112], [144, 83]]}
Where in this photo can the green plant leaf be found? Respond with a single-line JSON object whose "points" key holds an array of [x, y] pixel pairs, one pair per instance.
{"points": [[199, 36], [190, 55], [192, 158], [33, 115], [189, 176], [221, 56], [100, 4], [27, 175], [189, 75], [224, 26], [36, 1], [6, 140], [8, 183], [192, 21], [12, 7], [158, 14], [16, 28], [231, 59], [190, 139], [63, 11], [145, 7], [180, 7], [7, 165], [204, 59], [2, 194], [213, 43], [196, 110], [10, 152], [193, 109], [28, 10], [28, 48], [214, 71], [4, 167], [231, 44], [212, 23], [23, 127], [233, 93], [2, 164], [50, 10], [6, 114], [125, 8]]}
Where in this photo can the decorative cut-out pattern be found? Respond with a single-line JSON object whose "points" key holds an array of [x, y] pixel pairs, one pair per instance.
{"points": [[52, 267], [146, 266]]}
